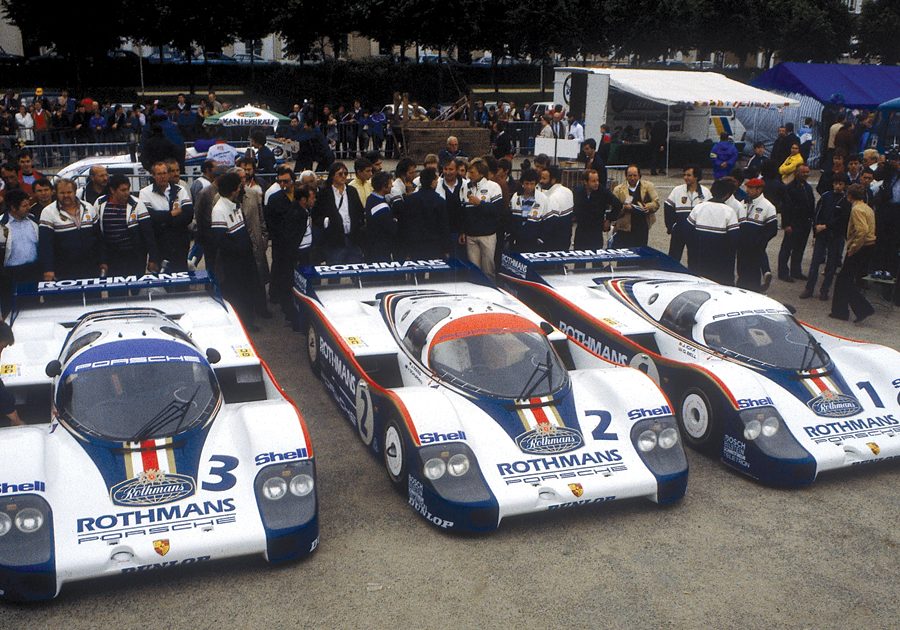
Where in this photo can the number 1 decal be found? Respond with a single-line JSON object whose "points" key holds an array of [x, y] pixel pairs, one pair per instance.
{"points": [[867, 386], [599, 433]]}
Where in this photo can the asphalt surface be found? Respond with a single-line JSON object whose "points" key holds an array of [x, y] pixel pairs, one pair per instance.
{"points": [[733, 553]]}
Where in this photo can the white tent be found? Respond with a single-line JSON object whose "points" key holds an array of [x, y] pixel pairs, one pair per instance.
{"points": [[673, 87]]}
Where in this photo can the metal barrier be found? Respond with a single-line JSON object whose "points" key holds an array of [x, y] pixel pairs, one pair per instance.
{"points": [[59, 155]]}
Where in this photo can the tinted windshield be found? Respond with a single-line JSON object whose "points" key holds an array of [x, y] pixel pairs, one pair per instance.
{"points": [[140, 401], [774, 339], [501, 364]]}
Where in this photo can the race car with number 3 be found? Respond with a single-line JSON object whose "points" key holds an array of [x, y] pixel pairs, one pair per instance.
{"points": [[776, 399], [465, 395], [169, 442]]}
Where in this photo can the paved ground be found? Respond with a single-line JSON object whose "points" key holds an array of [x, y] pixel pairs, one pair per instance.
{"points": [[732, 554]]}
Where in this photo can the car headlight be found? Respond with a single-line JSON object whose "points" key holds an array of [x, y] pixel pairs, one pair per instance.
{"points": [[770, 426], [435, 468], [646, 441], [274, 488], [5, 523], [29, 520], [458, 465], [752, 429], [668, 438], [301, 485]]}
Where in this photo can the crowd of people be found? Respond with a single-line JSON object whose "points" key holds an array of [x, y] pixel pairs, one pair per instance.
{"points": [[450, 205]]}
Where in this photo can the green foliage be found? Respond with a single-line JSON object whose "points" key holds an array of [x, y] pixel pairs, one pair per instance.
{"points": [[877, 31]]}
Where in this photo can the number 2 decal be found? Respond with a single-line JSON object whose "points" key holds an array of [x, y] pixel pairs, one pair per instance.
{"points": [[223, 472], [599, 433]]}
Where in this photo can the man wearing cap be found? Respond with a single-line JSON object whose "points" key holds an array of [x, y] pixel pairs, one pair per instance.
{"points": [[758, 225], [829, 227]]}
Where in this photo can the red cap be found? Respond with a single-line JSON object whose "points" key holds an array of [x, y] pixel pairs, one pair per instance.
{"points": [[756, 182]]}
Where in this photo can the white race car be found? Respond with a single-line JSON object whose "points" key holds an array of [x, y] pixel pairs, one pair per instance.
{"points": [[776, 399], [169, 441], [466, 396]]}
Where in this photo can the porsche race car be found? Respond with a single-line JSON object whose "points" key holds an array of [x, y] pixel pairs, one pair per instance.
{"points": [[776, 399], [469, 398], [156, 437]]}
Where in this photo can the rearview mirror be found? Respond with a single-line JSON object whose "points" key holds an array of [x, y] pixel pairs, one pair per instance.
{"points": [[213, 356], [546, 327], [53, 369]]}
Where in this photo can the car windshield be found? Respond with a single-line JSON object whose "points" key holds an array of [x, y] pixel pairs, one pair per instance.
{"points": [[139, 397], [772, 339], [503, 362]]}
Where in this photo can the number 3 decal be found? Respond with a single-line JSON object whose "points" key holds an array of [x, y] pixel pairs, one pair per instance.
{"points": [[223, 472]]}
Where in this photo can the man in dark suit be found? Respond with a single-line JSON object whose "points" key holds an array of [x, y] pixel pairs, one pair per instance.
{"points": [[595, 206], [797, 211], [424, 228], [592, 160], [340, 215]]}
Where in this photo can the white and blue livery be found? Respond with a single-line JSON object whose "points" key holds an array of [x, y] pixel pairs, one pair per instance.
{"points": [[469, 398], [774, 398], [156, 437]]}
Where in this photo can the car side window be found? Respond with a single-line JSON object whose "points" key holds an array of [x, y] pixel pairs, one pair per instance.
{"points": [[417, 333], [681, 313]]}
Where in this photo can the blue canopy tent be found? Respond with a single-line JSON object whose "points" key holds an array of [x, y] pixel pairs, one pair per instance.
{"points": [[853, 86], [816, 86]]}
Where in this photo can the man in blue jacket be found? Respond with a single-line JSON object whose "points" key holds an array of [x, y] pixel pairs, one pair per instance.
{"points": [[724, 156]]}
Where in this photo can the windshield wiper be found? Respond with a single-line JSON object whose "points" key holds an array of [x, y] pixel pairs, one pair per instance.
{"points": [[173, 411], [817, 349], [547, 369]]}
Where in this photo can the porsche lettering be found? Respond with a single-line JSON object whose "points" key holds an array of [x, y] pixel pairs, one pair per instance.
{"points": [[187, 358]]}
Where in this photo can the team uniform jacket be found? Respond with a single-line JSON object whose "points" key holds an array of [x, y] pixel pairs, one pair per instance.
{"points": [[172, 235], [67, 249], [559, 223], [758, 223], [382, 230], [482, 219], [680, 203], [712, 234], [138, 224], [530, 223], [228, 230]]}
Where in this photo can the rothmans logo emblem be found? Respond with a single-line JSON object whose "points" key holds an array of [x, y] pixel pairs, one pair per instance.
{"points": [[577, 489], [152, 487], [161, 546], [833, 405], [549, 439]]}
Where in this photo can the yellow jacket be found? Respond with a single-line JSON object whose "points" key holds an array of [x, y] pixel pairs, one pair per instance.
{"points": [[790, 165]]}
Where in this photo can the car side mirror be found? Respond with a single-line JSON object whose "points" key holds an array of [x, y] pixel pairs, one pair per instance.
{"points": [[53, 369], [213, 356], [546, 327]]}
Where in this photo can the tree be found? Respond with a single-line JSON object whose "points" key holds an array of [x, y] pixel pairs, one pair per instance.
{"points": [[64, 31], [647, 29], [877, 30], [806, 30]]}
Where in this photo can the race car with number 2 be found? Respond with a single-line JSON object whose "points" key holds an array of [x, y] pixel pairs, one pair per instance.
{"points": [[468, 398], [774, 398], [169, 442]]}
